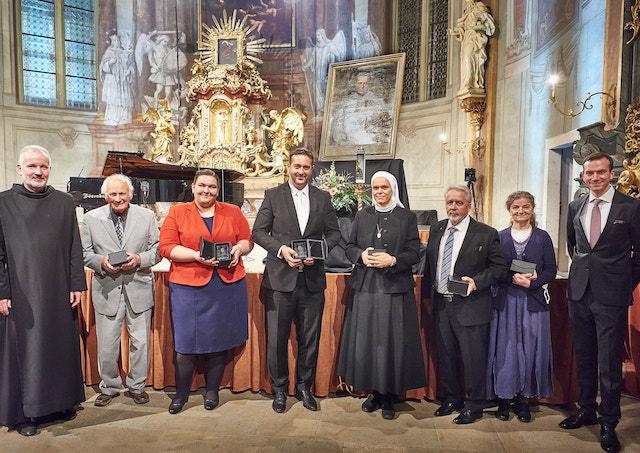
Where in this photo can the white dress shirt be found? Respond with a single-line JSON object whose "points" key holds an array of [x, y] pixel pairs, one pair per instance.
{"points": [[458, 239], [605, 208], [301, 203]]}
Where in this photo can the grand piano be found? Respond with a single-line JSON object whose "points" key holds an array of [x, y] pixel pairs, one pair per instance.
{"points": [[153, 182]]}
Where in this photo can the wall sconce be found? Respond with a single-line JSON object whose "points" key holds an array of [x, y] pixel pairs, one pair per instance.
{"points": [[582, 105], [444, 143]]}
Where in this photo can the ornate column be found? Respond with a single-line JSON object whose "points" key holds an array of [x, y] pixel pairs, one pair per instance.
{"points": [[477, 94]]}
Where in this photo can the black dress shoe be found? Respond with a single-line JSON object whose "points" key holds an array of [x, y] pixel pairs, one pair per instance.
{"points": [[176, 405], [279, 402], [308, 401], [27, 429], [448, 407], [522, 412], [211, 404], [372, 403], [467, 416], [579, 419], [388, 411], [504, 409], [609, 440]]}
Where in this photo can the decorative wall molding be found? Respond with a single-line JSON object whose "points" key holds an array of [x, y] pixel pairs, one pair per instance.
{"points": [[68, 136]]}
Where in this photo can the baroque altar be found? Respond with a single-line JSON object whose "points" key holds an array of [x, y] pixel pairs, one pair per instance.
{"points": [[229, 123]]}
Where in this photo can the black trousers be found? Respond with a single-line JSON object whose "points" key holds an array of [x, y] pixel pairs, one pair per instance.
{"points": [[598, 341], [456, 343], [305, 309]]}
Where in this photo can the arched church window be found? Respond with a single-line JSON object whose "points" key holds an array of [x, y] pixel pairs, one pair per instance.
{"points": [[421, 32], [57, 61]]}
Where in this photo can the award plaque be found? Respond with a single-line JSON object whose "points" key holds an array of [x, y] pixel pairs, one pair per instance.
{"points": [[522, 267], [457, 286], [374, 251], [316, 249], [206, 249], [223, 253], [118, 258], [301, 248]]}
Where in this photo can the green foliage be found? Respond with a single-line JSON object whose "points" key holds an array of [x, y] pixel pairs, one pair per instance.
{"points": [[342, 188]]}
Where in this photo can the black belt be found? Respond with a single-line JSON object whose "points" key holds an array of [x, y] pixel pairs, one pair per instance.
{"points": [[446, 297]]}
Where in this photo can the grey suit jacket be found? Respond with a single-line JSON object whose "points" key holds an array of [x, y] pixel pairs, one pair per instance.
{"points": [[99, 239]]}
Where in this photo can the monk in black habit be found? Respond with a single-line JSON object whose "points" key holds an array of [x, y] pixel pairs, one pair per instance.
{"points": [[41, 282]]}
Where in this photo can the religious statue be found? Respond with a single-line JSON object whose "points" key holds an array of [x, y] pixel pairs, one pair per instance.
{"points": [[472, 30], [286, 131], [163, 132], [165, 62], [116, 74], [220, 120]]}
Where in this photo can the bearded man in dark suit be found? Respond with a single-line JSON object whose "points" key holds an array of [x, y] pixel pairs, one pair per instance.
{"points": [[292, 211], [469, 250]]}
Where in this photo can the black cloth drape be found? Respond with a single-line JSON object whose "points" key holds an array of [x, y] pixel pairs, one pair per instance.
{"points": [[393, 166]]}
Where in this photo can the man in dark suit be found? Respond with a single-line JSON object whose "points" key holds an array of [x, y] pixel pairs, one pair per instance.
{"points": [[294, 210], [603, 238], [462, 247]]}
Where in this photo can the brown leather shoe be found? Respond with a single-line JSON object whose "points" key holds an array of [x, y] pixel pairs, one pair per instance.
{"points": [[103, 399], [139, 398]]}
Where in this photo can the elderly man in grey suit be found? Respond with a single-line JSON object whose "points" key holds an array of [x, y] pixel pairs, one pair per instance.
{"points": [[121, 292]]}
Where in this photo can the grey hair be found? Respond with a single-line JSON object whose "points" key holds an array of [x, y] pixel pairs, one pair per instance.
{"points": [[33, 149], [460, 188], [119, 177]]}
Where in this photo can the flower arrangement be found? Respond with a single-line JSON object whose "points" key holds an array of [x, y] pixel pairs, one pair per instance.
{"points": [[345, 193]]}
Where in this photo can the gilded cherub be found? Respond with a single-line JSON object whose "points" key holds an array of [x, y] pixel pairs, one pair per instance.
{"points": [[163, 132]]}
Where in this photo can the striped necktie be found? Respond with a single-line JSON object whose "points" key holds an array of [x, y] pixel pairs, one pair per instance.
{"points": [[445, 268], [119, 228]]}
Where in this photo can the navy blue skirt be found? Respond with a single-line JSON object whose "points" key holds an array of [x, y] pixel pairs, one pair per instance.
{"points": [[209, 318]]}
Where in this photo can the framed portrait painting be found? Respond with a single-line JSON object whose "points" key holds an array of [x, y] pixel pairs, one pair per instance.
{"points": [[273, 20], [361, 108]]}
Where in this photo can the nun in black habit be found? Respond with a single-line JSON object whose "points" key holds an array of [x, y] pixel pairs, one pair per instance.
{"points": [[380, 348]]}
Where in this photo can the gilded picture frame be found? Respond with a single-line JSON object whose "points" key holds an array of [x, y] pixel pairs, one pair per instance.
{"points": [[361, 109]]}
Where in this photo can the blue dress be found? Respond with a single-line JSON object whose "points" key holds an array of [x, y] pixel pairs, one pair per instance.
{"points": [[520, 356], [209, 318]]}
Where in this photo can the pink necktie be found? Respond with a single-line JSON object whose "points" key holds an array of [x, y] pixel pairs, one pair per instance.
{"points": [[596, 223]]}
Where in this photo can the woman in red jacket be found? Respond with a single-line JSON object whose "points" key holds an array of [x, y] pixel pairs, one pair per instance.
{"points": [[208, 302]]}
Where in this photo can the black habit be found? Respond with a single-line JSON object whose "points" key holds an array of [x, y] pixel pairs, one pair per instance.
{"points": [[40, 263]]}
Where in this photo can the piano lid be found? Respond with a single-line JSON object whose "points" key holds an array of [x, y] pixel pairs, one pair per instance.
{"points": [[134, 165]]}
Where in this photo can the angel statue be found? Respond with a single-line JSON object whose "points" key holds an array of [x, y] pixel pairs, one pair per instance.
{"points": [[472, 30], [165, 62], [316, 60], [286, 131], [163, 132]]}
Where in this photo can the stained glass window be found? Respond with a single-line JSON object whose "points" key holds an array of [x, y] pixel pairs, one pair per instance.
{"points": [[43, 69], [38, 52], [80, 54], [438, 44], [411, 17], [409, 31]]}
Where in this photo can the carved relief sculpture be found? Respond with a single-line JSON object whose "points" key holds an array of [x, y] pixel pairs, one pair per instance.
{"points": [[472, 30], [629, 180]]}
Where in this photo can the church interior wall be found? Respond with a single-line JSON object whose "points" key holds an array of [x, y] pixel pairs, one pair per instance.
{"points": [[524, 118], [567, 40], [63, 132]]}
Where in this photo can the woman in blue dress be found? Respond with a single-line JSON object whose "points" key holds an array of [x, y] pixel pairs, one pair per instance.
{"points": [[520, 357]]}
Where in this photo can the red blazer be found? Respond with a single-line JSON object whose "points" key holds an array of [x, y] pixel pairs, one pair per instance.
{"points": [[184, 226]]}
